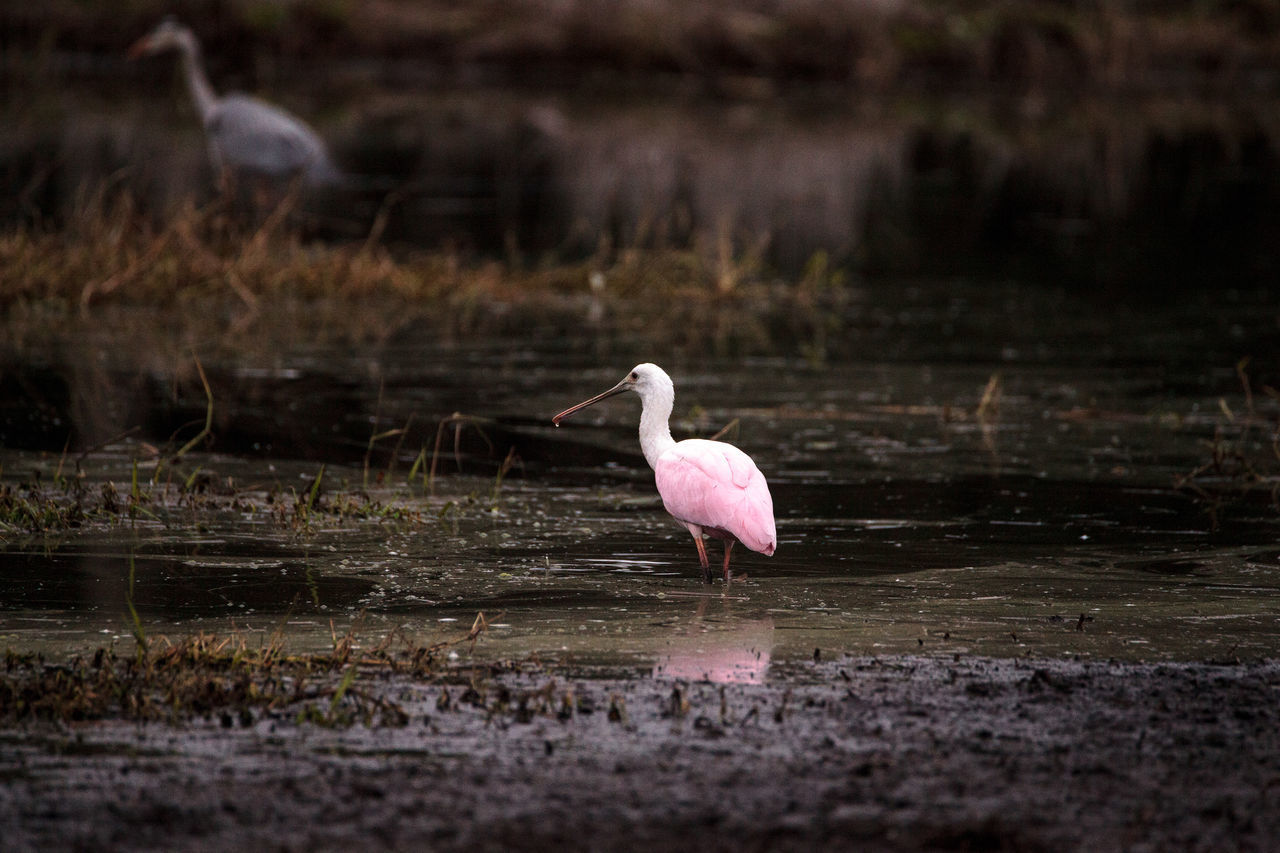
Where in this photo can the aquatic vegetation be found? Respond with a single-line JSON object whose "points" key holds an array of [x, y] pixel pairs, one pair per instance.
{"points": [[31, 507], [229, 677], [1243, 453], [27, 508]]}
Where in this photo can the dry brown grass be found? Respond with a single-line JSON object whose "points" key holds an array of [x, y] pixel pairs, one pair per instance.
{"points": [[111, 254], [207, 280]]}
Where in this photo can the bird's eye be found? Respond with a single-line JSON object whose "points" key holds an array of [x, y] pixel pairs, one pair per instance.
{"points": [[634, 376]]}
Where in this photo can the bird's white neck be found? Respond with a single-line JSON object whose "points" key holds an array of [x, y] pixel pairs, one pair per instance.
{"points": [[655, 429], [197, 82]]}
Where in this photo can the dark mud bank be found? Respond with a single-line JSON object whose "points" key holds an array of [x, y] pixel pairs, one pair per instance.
{"points": [[875, 754]]}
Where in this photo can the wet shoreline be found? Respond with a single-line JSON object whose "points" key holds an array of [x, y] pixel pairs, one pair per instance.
{"points": [[892, 753]]}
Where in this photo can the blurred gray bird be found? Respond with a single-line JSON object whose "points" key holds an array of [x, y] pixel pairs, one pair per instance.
{"points": [[246, 136]]}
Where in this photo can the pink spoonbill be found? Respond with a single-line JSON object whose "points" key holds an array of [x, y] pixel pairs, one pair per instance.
{"points": [[712, 488]]}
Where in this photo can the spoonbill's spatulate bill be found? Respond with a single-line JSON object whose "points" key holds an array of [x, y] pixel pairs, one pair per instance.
{"points": [[712, 488]]}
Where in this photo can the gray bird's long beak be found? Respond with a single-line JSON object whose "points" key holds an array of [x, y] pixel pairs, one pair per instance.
{"points": [[624, 385], [139, 47]]}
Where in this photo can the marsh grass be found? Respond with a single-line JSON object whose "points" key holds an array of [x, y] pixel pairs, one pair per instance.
{"points": [[34, 507], [511, 460], [230, 678], [201, 275], [169, 488]]}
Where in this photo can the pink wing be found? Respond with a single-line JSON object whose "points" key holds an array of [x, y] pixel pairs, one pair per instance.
{"points": [[716, 485]]}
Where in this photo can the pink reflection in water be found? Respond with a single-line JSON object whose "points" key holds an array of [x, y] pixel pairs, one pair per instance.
{"points": [[735, 652]]}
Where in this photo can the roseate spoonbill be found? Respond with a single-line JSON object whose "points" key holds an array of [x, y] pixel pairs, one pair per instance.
{"points": [[245, 135], [711, 487]]}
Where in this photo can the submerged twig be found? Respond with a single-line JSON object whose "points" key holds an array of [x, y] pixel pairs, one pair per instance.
{"points": [[457, 420], [988, 414], [139, 633], [731, 428], [95, 448], [208, 415]]}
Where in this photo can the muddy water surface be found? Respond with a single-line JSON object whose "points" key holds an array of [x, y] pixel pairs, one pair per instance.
{"points": [[912, 515]]}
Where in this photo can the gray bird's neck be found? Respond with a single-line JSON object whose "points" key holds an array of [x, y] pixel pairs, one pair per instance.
{"points": [[198, 84]]}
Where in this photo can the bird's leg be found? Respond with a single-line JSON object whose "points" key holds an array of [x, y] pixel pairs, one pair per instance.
{"points": [[728, 549], [225, 177], [702, 554]]}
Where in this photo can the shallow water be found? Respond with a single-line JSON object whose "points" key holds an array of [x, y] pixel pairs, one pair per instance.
{"points": [[906, 522]]}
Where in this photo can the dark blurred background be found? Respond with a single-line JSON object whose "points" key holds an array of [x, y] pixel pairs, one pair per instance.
{"points": [[1123, 145]]}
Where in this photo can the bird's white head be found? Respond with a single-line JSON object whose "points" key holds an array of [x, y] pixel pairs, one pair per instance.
{"points": [[648, 380], [168, 35]]}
